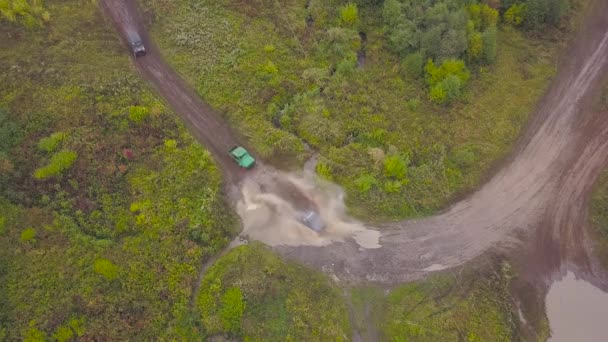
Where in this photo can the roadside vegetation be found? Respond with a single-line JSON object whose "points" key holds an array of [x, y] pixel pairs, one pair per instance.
{"points": [[252, 295], [408, 102], [464, 305]]}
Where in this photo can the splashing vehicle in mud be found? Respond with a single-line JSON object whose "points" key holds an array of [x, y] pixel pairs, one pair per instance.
{"points": [[312, 220]]}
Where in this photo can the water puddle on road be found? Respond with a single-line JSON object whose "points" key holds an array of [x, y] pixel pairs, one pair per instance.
{"points": [[577, 311]]}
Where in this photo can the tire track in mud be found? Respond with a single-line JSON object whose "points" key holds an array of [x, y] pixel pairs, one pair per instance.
{"points": [[539, 195]]}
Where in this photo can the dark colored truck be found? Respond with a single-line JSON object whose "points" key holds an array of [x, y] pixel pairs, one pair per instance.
{"points": [[136, 44]]}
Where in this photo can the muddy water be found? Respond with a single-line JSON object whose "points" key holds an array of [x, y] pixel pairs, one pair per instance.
{"points": [[274, 218], [577, 311]]}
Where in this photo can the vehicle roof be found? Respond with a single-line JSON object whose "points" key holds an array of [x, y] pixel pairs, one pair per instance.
{"points": [[239, 152], [133, 36], [247, 161]]}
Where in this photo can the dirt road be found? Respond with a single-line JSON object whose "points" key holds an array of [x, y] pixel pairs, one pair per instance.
{"points": [[539, 197], [207, 126]]}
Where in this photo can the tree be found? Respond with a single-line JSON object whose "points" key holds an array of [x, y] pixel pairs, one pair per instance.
{"points": [[391, 13], [475, 49], [515, 14], [404, 38]]}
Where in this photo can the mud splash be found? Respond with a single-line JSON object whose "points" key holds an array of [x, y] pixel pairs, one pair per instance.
{"points": [[577, 311], [273, 215]]}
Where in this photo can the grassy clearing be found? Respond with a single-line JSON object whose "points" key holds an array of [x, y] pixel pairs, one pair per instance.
{"points": [[253, 295], [283, 84], [468, 306], [107, 206]]}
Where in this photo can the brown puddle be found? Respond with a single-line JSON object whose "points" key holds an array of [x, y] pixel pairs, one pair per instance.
{"points": [[577, 311]]}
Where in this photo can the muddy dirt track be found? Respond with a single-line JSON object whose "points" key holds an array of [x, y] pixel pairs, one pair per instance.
{"points": [[538, 199]]}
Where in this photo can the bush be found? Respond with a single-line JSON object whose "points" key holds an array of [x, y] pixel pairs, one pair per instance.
{"points": [[50, 143], [515, 14], [138, 114], [395, 167], [28, 13], [28, 235], [60, 162], [413, 64], [349, 14], [106, 268], [447, 81], [489, 38], [447, 90], [232, 310], [365, 183], [475, 49], [323, 170], [63, 334]]}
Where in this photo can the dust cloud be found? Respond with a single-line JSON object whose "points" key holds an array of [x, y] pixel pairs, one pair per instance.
{"points": [[273, 204]]}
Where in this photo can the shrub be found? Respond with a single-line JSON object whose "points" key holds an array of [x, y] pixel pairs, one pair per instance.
{"points": [[170, 144], [324, 170], [232, 310], [138, 114], [28, 13], [438, 94], [50, 143], [395, 167], [106, 268], [349, 14], [34, 335], [365, 183], [392, 186], [28, 235], [63, 334], [60, 162]]}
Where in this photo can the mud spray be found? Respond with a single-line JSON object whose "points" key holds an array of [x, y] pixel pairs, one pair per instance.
{"points": [[273, 204]]}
